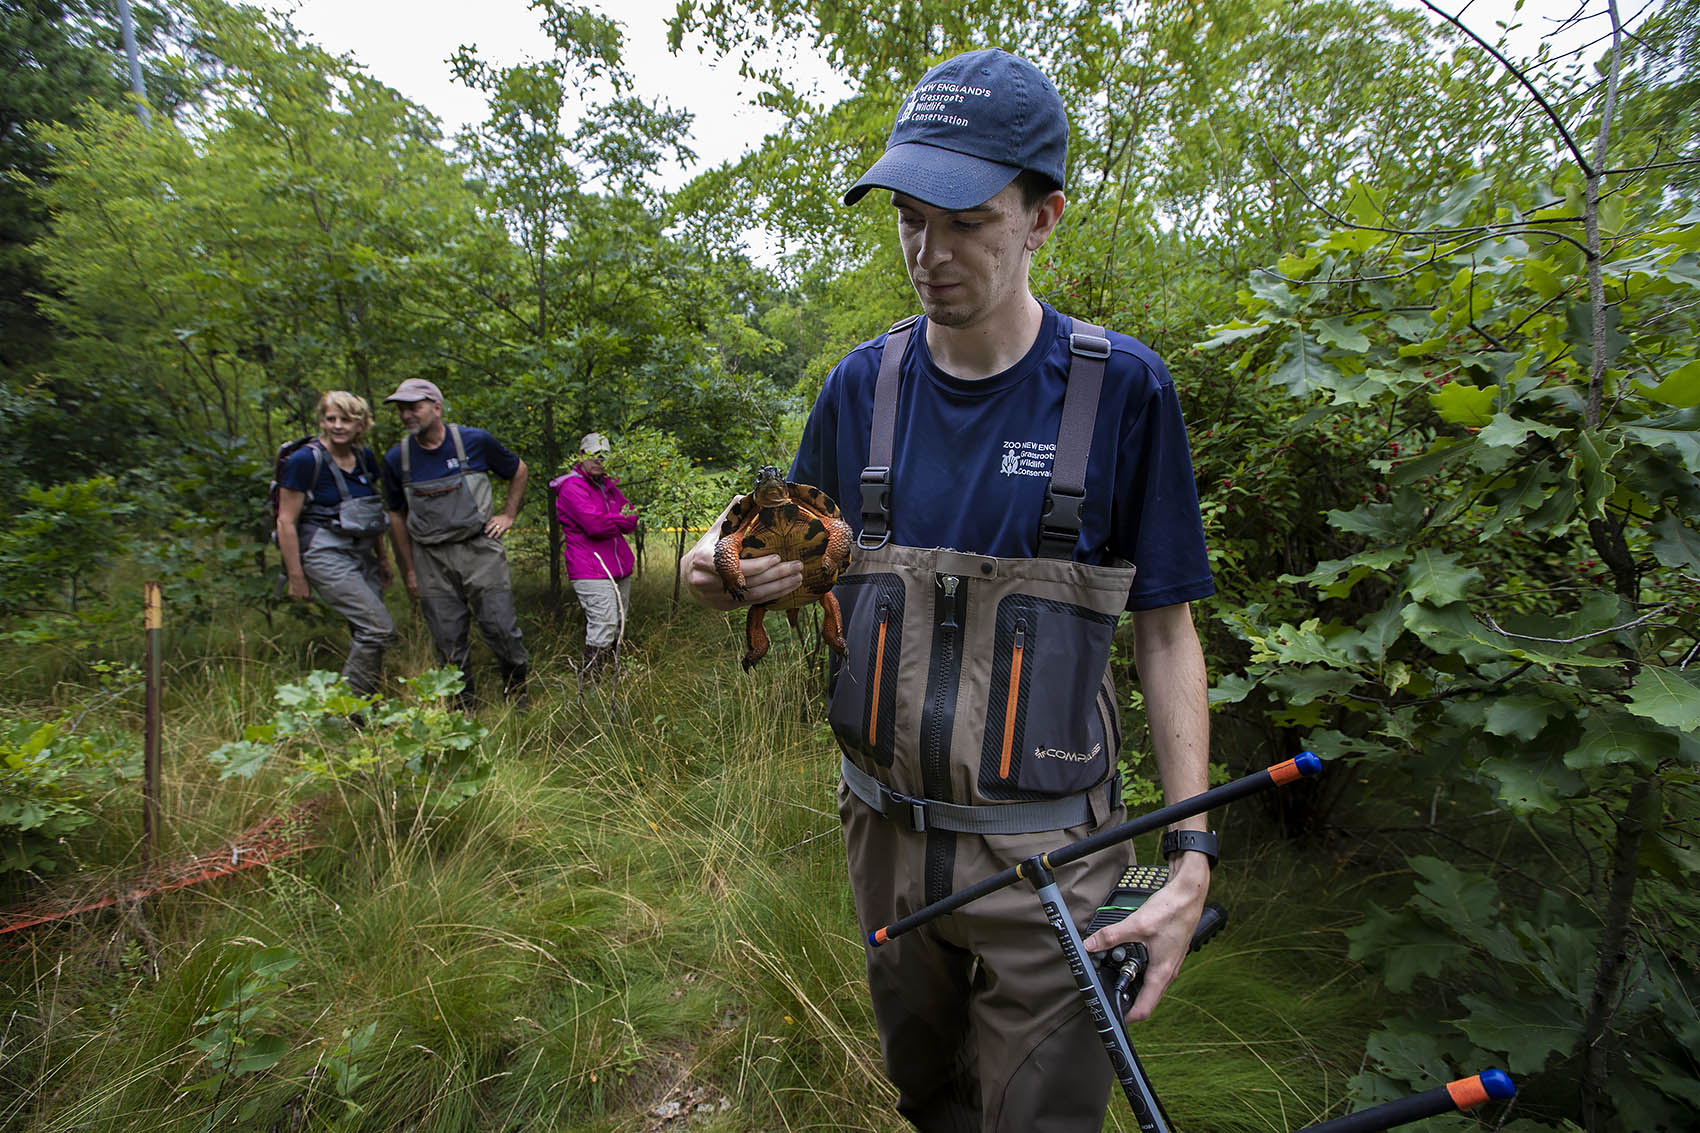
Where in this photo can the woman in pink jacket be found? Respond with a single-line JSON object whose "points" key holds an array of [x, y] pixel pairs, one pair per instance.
{"points": [[595, 517]]}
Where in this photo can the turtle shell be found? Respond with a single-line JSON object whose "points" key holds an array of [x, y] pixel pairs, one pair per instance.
{"points": [[803, 524]]}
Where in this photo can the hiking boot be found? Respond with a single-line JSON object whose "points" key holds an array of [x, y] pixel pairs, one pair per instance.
{"points": [[513, 687]]}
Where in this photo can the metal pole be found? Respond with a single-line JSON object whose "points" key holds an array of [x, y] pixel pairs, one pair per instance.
{"points": [[1147, 1110], [128, 23], [153, 606]]}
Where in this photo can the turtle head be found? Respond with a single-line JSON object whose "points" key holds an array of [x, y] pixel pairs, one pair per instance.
{"points": [[770, 486]]}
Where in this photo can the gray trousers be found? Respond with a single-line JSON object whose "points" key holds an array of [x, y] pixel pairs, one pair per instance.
{"points": [[345, 577], [605, 604], [460, 581]]}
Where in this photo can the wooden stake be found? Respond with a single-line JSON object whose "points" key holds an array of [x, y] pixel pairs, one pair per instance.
{"points": [[153, 605]]}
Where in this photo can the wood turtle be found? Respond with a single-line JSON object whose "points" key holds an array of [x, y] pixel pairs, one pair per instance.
{"points": [[793, 521]]}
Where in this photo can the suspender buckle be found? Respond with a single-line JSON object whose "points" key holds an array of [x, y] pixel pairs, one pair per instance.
{"points": [[1089, 345], [917, 811], [876, 505], [1059, 527]]}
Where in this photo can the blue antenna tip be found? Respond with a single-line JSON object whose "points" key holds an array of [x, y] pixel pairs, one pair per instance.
{"points": [[1498, 1085]]}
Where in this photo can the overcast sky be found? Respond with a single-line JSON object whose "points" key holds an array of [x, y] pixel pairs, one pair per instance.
{"points": [[406, 44]]}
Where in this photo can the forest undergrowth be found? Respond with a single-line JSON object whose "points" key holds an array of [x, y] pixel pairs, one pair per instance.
{"points": [[639, 921]]}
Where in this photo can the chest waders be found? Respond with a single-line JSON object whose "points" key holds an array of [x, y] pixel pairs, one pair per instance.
{"points": [[461, 572], [447, 509], [357, 517], [976, 696], [978, 726]]}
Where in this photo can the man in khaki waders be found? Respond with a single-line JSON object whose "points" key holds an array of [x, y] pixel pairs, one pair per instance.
{"points": [[448, 538], [1017, 479]]}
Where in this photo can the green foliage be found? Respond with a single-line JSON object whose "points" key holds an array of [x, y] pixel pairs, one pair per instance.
{"points": [[235, 1041], [56, 57], [331, 736], [1513, 603], [63, 535], [1529, 974], [343, 1063], [51, 784], [670, 486]]}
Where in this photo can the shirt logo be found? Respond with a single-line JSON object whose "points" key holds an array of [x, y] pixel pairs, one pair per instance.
{"points": [[1027, 458]]}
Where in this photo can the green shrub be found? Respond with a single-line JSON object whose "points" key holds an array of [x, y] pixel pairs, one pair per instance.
{"points": [[334, 735], [51, 780]]}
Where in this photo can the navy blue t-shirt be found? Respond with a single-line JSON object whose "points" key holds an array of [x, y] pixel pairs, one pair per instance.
{"points": [[484, 453], [297, 476], [972, 459]]}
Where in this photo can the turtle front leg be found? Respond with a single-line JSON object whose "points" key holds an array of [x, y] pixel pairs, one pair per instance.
{"points": [[832, 624], [838, 540], [728, 566], [755, 637]]}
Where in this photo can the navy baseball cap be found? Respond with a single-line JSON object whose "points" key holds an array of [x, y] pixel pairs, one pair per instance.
{"points": [[970, 126]]}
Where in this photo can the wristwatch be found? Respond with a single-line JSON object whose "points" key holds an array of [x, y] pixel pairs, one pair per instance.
{"points": [[1179, 841]]}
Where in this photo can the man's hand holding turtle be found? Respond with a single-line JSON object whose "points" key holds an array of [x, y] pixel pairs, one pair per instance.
{"points": [[766, 578]]}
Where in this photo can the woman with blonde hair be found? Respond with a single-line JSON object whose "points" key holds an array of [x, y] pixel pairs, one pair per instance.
{"points": [[330, 530]]}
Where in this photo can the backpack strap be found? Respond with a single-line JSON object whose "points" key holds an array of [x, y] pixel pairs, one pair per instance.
{"points": [[318, 460], [1059, 523], [876, 477]]}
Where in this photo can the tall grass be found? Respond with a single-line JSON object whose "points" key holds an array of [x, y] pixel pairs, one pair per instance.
{"points": [[641, 921]]}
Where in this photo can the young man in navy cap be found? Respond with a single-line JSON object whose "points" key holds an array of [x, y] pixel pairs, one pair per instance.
{"points": [[1017, 479]]}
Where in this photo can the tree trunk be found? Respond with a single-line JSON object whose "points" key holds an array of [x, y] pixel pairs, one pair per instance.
{"points": [[552, 462], [1594, 1049], [683, 521]]}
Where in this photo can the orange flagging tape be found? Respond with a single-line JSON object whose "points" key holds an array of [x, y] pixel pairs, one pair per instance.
{"points": [[1286, 772], [277, 837], [1467, 1092]]}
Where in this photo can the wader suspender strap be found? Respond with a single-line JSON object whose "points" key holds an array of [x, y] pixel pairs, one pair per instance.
{"points": [[407, 455], [876, 477], [1059, 524], [336, 474]]}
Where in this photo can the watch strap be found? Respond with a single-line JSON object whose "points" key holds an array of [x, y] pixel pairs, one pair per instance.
{"points": [[1179, 841]]}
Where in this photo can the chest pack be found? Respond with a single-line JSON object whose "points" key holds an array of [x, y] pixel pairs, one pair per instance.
{"points": [[351, 515], [446, 509], [976, 695]]}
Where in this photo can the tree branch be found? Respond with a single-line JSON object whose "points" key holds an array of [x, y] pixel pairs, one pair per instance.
{"points": [[1487, 620], [1517, 73]]}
